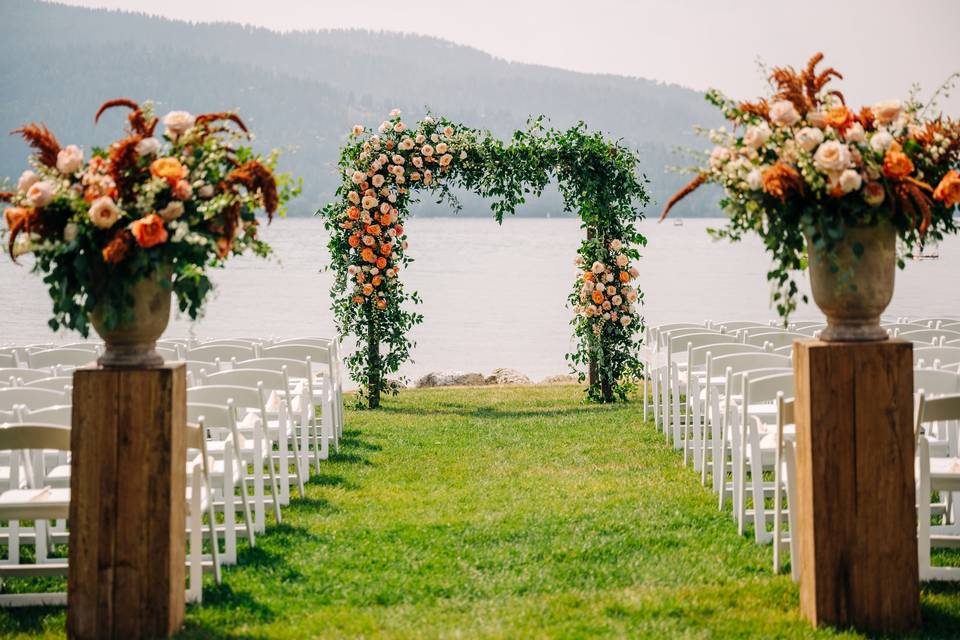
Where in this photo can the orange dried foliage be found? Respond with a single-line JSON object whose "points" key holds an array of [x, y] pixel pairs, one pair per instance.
{"points": [[803, 88], [42, 140], [138, 122], [255, 177], [690, 187]]}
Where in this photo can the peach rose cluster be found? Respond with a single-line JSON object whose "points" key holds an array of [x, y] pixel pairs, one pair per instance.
{"points": [[390, 163], [606, 291]]}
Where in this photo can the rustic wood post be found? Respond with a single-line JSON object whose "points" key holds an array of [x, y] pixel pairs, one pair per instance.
{"points": [[606, 384], [127, 513], [856, 513], [373, 360]]}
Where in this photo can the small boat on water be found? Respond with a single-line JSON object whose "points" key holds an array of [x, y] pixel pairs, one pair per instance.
{"points": [[678, 222]]}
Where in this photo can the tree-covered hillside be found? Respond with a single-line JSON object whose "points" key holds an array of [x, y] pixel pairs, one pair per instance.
{"points": [[304, 90]]}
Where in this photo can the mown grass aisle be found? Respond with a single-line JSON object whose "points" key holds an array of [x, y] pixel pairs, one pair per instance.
{"points": [[504, 512]]}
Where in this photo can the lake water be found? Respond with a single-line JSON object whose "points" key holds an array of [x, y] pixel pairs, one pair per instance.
{"points": [[494, 296]]}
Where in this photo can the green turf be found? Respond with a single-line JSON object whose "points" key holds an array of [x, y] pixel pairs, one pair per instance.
{"points": [[503, 513]]}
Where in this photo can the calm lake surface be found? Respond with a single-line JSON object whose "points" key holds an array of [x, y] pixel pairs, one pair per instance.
{"points": [[494, 296]]}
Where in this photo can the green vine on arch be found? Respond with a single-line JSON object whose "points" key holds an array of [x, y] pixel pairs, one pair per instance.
{"points": [[384, 170]]}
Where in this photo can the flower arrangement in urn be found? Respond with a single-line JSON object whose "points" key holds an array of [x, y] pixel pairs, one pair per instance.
{"points": [[114, 234], [833, 188]]}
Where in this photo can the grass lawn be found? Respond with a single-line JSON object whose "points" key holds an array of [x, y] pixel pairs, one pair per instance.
{"points": [[514, 512]]}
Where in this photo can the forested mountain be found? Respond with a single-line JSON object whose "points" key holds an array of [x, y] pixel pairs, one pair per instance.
{"points": [[304, 90]]}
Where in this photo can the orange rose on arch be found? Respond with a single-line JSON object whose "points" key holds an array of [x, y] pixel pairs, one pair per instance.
{"points": [[354, 241], [381, 263], [353, 213], [377, 280], [840, 118], [358, 299], [367, 255], [169, 169], [588, 276], [373, 229], [624, 277], [948, 191], [118, 248], [149, 231], [381, 304], [896, 164], [386, 249], [597, 297], [367, 289]]}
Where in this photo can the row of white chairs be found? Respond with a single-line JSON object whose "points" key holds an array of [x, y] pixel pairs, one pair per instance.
{"points": [[258, 427], [722, 394]]}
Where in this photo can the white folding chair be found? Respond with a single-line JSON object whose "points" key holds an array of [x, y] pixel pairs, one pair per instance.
{"points": [[761, 441], [53, 383], [936, 474], [772, 340], [702, 383], [322, 369], [27, 499], [730, 326], [30, 397], [225, 474], [926, 356], [727, 412], [18, 377], [219, 353], [200, 500], [275, 414], [337, 375], [676, 374], [934, 337], [785, 475], [233, 453], [61, 358], [686, 376], [811, 330]]}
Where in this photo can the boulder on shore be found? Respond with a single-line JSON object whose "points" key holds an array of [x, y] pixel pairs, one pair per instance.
{"points": [[449, 379], [560, 378], [507, 376]]}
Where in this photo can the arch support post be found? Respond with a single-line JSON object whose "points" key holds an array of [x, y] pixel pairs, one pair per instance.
{"points": [[373, 361]]}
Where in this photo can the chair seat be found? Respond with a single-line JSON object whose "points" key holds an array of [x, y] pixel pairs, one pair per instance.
{"points": [[35, 504], [945, 474], [247, 450], [217, 467], [59, 476]]}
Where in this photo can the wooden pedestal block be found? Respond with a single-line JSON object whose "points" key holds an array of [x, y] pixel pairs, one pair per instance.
{"points": [[856, 513], [127, 513]]}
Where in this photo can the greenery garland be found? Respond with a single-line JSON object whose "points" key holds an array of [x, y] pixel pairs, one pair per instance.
{"points": [[384, 170]]}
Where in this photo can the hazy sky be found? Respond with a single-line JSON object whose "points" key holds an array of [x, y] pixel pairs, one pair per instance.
{"points": [[881, 46]]}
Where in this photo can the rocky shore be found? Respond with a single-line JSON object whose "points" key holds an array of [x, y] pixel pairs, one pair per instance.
{"points": [[497, 377]]}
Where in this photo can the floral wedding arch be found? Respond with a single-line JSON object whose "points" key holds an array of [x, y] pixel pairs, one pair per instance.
{"points": [[383, 172]]}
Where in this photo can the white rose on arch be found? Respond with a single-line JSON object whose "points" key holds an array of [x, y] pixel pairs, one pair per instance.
{"points": [[177, 123], [850, 180], [69, 159], [809, 138], [757, 135], [832, 157], [784, 114]]}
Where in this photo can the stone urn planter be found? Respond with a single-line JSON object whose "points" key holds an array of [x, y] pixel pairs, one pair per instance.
{"points": [[132, 344], [854, 287]]}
